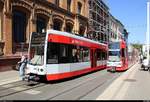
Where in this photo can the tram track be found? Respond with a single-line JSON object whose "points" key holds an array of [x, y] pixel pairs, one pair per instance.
{"points": [[90, 80], [11, 85], [5, 89], [97, 86], [9, 89], [62, 88], [18, 88]]}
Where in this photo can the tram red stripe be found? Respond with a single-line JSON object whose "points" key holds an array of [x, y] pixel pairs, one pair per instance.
{"points": [[71, 74], [69, 40]]}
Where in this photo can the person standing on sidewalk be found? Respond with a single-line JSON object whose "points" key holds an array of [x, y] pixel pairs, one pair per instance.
{"points": [[141, 58], [22, 67]]}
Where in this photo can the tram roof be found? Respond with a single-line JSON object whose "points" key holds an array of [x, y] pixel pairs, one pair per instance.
{"points": [[73, 36]]}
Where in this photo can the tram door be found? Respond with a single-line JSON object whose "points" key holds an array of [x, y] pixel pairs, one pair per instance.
{"points": [[93, 58]]}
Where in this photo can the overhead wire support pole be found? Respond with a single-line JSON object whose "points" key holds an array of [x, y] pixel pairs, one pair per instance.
{"points": [[148, 25]]}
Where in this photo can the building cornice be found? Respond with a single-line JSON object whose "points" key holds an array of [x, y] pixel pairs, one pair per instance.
{"points": [[54, 7]]}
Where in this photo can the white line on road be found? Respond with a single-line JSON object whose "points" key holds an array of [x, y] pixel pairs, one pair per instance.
{"points": [[32, 92]]}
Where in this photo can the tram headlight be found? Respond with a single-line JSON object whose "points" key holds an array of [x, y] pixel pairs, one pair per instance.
{"points": [[41, 70]]}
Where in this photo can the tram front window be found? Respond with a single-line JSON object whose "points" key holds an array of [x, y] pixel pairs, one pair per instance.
{"points": [[37, 48], [114, 56], [114, 45], [37, 55]]}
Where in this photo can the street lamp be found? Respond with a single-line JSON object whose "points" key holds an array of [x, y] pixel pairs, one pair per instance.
{"points": [[148, 25]]}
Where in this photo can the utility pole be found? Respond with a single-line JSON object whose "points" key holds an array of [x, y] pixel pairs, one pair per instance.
{"points": [[148, 30]]}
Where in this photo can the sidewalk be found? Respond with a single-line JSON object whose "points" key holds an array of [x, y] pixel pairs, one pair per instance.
{"points": [[9, 77], [131, 85]]}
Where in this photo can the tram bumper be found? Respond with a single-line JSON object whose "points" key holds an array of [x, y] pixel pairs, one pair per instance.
{"points": [[113, 66], [111, 69], [34, 72]]}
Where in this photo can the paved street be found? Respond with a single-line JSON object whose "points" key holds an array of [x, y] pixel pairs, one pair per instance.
{"points": [[84, 87], [101, 85]]}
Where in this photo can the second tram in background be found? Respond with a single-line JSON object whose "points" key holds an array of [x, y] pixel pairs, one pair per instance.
{"points": [[117, 56]]}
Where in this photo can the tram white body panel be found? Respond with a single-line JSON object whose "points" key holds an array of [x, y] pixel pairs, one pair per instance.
{"points": [[65, 68], [80, 66], [36, 69]]}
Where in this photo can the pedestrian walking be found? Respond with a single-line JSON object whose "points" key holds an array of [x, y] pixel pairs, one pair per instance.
{"points": [[141, 58], [22, 67]]}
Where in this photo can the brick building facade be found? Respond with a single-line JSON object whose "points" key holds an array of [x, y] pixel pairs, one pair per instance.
{"points": [[18, 18]]}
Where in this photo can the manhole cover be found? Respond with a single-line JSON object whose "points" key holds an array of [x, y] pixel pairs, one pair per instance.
{"points": [[130, 80]]}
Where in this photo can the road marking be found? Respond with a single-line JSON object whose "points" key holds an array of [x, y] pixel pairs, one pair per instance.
{"points": [[10, 80], [18, 88], [7, 86], [32, 92]]}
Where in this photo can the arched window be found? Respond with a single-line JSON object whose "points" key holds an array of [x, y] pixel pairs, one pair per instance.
{"points": [[41, 24], [69, 27], [81, 30], [57, 24], [19, 26]]}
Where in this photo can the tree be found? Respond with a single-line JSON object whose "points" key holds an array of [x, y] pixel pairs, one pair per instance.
{"points": [[137, 46]]}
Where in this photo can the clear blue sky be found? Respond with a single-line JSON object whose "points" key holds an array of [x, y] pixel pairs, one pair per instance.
{"points": [[132, 14]]}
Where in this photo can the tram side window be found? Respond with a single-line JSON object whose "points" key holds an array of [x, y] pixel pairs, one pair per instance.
{"points": [[64, 54], [52, 53], [86, 55], [99, 55], [76, 54], [104, 55], [80, 54]]}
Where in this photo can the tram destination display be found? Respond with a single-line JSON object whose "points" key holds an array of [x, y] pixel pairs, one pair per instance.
{"points": [[38, 38]]}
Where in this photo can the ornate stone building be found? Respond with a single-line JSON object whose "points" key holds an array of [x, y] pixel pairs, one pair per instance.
{"points": [[18, 18]]}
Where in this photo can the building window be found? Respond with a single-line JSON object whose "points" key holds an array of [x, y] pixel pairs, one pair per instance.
{"points": [[19, 26], [79, 7], [57, 24], [41, 24], [57, 2], [69, 28], [69, 5], [81, 30]]}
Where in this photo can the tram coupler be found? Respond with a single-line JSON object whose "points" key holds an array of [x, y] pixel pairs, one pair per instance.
{"points": [[31, 77], [112, 69]]}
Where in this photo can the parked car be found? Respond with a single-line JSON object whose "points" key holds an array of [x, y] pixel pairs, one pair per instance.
{"points": [[145, 64]]}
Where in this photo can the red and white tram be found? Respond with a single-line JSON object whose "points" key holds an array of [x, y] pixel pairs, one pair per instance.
{"points": [[117, 56], [58, 55]]}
